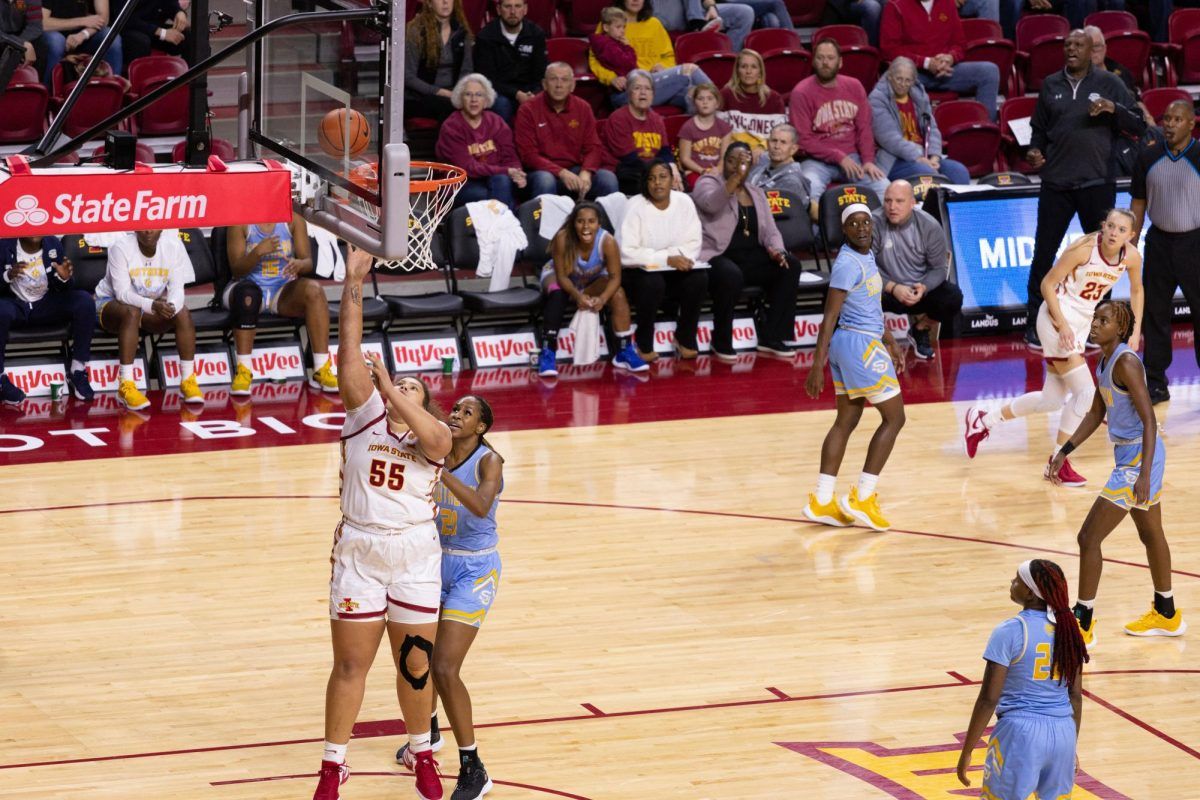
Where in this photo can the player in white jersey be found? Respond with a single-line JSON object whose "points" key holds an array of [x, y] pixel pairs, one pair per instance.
{"points": [[386, 552], [1081, 277]]}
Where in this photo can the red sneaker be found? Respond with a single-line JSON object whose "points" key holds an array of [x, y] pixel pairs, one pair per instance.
{"points": [[429, 783], [330, 778], [1067, 475], [975, 431]]}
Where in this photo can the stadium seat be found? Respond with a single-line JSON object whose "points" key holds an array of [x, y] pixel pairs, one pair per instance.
{"points": [[786, 68], [689, 46], [1012, 155], [433, 304], [985, 42], [844, 35], [477, 13], [594, 93], [1157, 100], [829, 213], [968, 135], [101, 99], [767, 40], [1131, 49], [464, 252], [143, 70], [1182, 51], [673, 124], [792, 219], [1005, 179], [585, 16], [23, 108], [1112, 21], [220, 148], [806, 13], [547, 15], [570, 50], [166, 116], [1039, 43], [923, 183], [717, 66], [25, 73], [537, 252]]}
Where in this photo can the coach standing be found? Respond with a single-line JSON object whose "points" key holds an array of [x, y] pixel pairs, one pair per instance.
{"points": [[1079, 112], [1166, 183]]}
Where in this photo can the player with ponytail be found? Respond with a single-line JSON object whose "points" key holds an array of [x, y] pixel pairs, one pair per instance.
{"points": [[1033, 682]]}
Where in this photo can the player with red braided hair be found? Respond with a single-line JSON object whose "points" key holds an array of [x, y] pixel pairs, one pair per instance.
{"points": [[1033, 682]]}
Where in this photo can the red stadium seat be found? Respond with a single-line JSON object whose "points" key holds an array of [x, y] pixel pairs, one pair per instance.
{"points": [[1040, 47], [101, 99], [844, 35], [766, 40], [976, 29], [1131, 49], [26, 73], [594, 93], [1182, 50], [806, 12], [1157, 100], [1112, 21], [23, 108], [585, 16], [148, 68], [165, 116], [1012, 155], [570, 50], [547, 15], [986, 42], [673, 123], [690, 46], [968, 135], [477, 13], [786, 68], [717, 66]]}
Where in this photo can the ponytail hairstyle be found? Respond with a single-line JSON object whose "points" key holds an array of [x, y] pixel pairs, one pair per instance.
{"points": [[487, 418], [1124, 316], [1070, 653]]}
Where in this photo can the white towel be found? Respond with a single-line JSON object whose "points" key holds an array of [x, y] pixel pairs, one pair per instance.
{"points": [[586, 327], [500, 239], [328, 259], [555, 209], [614, 206]]}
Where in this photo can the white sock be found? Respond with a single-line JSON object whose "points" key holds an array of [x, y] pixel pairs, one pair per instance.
{"points": [[127, 372], [470, 748], [825, 487], [335, 752], [1166, 595], [320, 359], [243, 359], [866, 485], [418, 742], [1087, 603], [186, 368], [76, 366]]}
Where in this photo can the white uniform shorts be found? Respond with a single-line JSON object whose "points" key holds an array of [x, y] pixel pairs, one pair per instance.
{"points": [[397, 576], [1080, 321]]}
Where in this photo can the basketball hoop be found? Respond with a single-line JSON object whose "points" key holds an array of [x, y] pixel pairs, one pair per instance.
{"points": [[432, 188]]}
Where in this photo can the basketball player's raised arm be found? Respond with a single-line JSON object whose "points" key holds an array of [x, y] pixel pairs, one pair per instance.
{"points": [[1137, 297], [354, 380], [833, 309], [478, 501], [432, 434], [1075, 255]]}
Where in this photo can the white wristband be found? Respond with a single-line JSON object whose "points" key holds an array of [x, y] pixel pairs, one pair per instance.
{"points": [[162, 34]]}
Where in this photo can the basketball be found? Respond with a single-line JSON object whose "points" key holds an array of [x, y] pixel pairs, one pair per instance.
{"points": [[331, 135]]}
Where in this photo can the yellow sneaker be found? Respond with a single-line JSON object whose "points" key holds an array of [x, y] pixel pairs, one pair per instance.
{"points": [[190, 389], [241, 381], [324, 379], [1089, 634], [826, 513], [1153, 623], [133, 399], [865, 512]]}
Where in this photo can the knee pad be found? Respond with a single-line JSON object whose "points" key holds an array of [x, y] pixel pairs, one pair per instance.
{"points": [[245, 303]]}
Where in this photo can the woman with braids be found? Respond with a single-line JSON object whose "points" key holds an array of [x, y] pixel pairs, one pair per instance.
{"points": [[1132, 488], [437, 52], [467, 499], [386, 557], [1033, 683]]}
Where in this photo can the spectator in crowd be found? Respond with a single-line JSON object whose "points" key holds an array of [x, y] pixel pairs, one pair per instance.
{"points": [[480, 142], [777, 168], [733, 19], [161, 25], [933, 39], [906, 133], [269, 264], [38, 290], [635, 136], [831, 115], [660, 245], [1079, 113], [438, 50], [1166, 185], [23, 19], [628, 25], [864, 13], [511, 51], [704, 137], [585, 267], [1101, 61], [749, 105], [914, 262], [1074, 10], [744, 247], [143, 290], [771, 14], [558, 142], [76, 26]]}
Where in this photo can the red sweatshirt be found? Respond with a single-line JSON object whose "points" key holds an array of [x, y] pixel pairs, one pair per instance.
{"points": [[627, 138], [555, 140], [484, 151], [619, 57], [906, 30], [833, 121]]}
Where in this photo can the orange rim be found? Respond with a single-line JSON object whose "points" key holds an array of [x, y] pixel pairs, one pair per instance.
{"points": [[367, 176]]}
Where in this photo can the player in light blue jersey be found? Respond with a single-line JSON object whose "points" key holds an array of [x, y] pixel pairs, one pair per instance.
{"points": [[1132, 488], [472, 481], [1033, 682], [852, 339]]}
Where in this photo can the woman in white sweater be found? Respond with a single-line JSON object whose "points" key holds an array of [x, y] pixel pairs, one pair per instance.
{"points": [[660, 242]]}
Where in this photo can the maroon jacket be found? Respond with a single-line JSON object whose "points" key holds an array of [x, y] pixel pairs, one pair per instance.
{"points": [[906, 30], [555, 140], [620, 58], [484, 151]]}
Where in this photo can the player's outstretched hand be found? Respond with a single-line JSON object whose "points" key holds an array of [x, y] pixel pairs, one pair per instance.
{"points": [[358, 263], [378, 370], [815, 381]]}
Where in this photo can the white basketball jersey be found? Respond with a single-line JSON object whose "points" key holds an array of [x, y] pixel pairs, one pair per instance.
{"points": [[387, 482], [1089, 282]]}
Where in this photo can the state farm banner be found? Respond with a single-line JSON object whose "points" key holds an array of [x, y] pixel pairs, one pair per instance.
{"points": [[372, 344], [211, 367], [277, 363], [92, 199], [505, 348], [423, 352]]}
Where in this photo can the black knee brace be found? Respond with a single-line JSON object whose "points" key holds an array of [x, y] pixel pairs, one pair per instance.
{"points": [[245, 302]]}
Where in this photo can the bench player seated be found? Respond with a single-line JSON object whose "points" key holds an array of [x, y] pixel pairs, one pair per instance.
{"points": [[269, 263], [143, 290]]}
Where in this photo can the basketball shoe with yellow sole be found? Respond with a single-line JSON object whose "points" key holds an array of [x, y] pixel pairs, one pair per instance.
{"points": [[240, 387], [128, 394], [864, 512], [1153, 623], [324, 379], [190, 389], [1089, 633], [826, 513]]}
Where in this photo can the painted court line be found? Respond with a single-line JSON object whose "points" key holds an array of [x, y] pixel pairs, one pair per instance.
{"points": [[497, 781]]}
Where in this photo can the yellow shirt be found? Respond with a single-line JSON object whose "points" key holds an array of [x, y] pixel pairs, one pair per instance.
{"points": [[649, 39]]}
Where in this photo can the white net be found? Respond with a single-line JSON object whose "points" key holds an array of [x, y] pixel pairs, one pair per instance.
{"points": [[432, 189]]}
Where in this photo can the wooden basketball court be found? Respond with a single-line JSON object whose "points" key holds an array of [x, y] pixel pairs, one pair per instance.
{"points": [[667, 626]]}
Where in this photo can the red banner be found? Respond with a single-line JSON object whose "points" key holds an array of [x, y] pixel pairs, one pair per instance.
{"points": [[58, 200]]}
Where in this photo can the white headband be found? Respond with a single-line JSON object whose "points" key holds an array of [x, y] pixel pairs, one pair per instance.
{"points": [[1027, 578], [854, 208]]}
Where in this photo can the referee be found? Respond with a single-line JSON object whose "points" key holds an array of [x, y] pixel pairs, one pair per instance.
{"points": [[1166, 183]]}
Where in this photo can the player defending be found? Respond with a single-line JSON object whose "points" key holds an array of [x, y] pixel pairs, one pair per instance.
{"points": [[1132, 488], [862, 370], [386, 555], [1033, 680], [467, 501], [1081, 277]]}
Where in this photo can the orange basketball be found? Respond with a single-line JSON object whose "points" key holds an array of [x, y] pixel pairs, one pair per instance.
{"points": [[331, 135]]}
